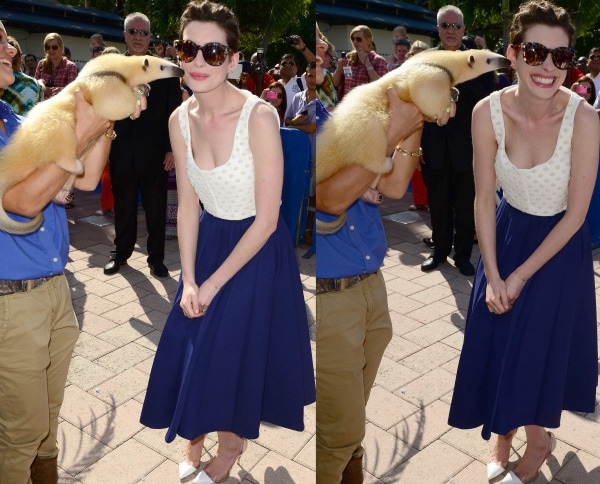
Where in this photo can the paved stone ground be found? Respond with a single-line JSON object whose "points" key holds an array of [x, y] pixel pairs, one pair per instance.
{"points": [[408, 439]]}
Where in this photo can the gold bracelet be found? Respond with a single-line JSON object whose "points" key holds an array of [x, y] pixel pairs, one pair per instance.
{"points": [[415, 154], [111, 134]]}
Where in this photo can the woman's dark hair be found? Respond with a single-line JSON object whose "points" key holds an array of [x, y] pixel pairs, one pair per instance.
{"points": [[212, 12], [536, 12]]}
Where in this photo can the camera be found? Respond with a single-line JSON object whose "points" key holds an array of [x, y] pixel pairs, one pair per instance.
{"points": [[272, 95], [579, 89], [292, 40], [259, 67], [343, 54]]}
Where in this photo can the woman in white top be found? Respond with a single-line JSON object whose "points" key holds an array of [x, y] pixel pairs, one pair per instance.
{"points": [[235, 350], [530, 348]]}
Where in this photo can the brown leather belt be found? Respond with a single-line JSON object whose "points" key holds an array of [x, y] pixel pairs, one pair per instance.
{"points": [[10, 287], [329, 285]]}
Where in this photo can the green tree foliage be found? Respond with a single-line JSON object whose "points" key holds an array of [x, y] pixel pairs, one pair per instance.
{"points": [[485, 16], [263, 23]]}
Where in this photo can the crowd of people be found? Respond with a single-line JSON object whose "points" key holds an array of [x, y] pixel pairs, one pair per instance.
{"points": [[249, 360]]}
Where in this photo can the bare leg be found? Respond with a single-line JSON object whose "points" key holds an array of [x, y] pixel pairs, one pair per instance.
{"points": [[540, 444], [501, 450], [230, 449], [193, 451]]}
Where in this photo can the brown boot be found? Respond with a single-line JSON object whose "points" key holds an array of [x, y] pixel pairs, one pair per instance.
{"points": [[44, 471], [353, 473]]}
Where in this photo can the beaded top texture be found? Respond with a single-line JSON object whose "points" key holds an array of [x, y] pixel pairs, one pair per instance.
{"points": [[543, 189], [226, 191]]}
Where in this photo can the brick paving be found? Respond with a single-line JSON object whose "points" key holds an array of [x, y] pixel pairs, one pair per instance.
{"points": [[407, 440]]}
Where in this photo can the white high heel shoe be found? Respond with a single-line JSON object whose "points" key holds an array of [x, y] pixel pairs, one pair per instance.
{"points": [[511, 478], [203, 478], [186, 469], [494, 470]]}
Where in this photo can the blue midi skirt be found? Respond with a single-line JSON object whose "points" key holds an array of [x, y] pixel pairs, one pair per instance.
{"points": [[248, 359], [525, 366]]}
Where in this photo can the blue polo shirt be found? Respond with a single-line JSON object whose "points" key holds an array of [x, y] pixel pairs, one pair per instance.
{"points": [[357, 248], [41, 253]]}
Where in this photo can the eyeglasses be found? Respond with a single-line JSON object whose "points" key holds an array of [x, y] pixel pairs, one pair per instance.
{"points": [[454, 25], [594, 56], [288, 64], [535, 54], [356, 39], [53, 47], [143, 33], [214, 53]]}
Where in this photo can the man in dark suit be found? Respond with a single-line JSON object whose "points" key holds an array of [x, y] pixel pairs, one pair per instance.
{"points": [[448, 155], [140, 158]]}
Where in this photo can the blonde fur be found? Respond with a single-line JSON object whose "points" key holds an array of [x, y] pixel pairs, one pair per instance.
{"points": [[47, 135], [357, 131]]}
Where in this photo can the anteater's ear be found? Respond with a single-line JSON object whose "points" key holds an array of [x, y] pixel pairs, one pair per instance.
{"points": [[471, 60], [146, 65]]}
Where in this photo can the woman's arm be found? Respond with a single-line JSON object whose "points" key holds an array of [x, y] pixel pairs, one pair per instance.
{"points": [[265, 145], [484, 156], [188, 215], [584, 168]]}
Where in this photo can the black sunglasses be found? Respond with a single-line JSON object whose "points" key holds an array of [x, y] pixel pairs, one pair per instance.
{"points": [[288, 64], [53, 47], [214, 53], [447, 25], [143, 33], [595, 56], [356, 39], [535, 54]]}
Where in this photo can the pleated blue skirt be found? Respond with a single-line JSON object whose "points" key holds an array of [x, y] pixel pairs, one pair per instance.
{"points": [[525, 366], [248, 359]]}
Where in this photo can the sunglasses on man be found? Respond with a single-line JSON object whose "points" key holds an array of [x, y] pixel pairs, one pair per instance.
{"points": [[454, 25], [143, 33]]}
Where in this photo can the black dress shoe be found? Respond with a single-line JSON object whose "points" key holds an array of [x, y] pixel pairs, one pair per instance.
{"points": [[465, 267], [113, 266], [159, 269], [432, 262], [428, 241]]}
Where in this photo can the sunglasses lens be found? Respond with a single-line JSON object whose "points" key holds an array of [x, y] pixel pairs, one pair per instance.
{"points": [[187, 50], [563, 57], [534, 54], [214, 54]]}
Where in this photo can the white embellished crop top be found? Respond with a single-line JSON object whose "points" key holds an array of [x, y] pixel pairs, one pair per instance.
{"points": [[226, 191], [543, 189]]}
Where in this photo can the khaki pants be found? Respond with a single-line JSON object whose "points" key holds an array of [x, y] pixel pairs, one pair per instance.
{"points": [[38, 330], [353, 330]]}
